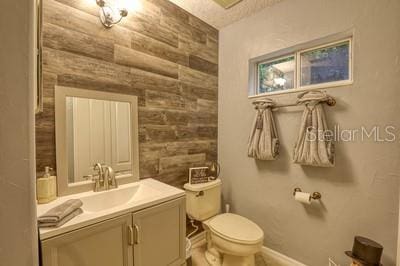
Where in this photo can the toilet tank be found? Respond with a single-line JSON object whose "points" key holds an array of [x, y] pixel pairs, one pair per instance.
{"points": [[203, 201]]}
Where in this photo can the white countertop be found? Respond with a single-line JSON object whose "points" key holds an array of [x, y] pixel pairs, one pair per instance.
{"points": [[149, 193]]}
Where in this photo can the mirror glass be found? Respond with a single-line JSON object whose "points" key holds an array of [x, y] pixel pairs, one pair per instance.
{"points": [[97, 131]]}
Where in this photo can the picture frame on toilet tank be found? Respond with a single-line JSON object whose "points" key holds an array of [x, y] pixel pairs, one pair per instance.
{"points": [[198, 175]]}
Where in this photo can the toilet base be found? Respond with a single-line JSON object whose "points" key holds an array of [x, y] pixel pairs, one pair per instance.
{"points": [[230, 260], [213, 257], [216, 258]]}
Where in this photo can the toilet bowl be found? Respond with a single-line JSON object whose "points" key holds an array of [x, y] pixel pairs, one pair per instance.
{"points": [[236, 240], [232, 240]]}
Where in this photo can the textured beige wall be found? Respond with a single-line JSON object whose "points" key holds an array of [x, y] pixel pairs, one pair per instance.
{"points": [[360, 194], [18, 236]]}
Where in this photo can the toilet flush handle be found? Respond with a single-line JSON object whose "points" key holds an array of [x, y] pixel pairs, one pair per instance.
{"points": [[200, 194]]}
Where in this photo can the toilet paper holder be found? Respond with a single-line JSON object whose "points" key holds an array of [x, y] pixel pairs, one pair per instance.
{"points": [[314, 195]]}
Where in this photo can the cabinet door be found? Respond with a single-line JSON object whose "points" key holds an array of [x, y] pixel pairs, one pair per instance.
{"points": [[103, 244], [160, 234]]}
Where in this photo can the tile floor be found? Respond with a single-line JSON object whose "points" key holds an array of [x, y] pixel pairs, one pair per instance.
{"points": [[198, 258]]}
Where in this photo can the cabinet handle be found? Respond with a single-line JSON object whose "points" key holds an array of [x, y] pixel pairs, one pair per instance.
{"points": [[137, 234], [130, 236]]}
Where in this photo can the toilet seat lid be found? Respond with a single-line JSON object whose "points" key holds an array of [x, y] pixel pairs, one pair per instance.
{"points": [[236, 228]]}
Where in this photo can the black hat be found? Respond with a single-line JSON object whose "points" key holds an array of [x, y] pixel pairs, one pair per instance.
{"points": [[366, 251]]}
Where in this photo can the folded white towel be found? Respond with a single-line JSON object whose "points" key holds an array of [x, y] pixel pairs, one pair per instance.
{"points": [[313, 146], [263, 142]]}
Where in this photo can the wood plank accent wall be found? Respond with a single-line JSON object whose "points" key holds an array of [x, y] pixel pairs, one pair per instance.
{"points": [[162, 54]]}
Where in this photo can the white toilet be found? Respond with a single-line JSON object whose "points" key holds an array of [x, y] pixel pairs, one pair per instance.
{"points": [[232, 240]]}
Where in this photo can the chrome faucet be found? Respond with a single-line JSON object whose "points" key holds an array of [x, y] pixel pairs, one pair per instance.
{"points": [[109, 175], [104, 179]]}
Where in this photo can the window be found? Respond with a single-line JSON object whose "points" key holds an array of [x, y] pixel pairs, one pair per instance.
{"points": [[276, 75], [323, 66], [326, 64]]}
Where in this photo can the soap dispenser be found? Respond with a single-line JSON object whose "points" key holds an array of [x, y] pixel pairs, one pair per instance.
{"points": [[46, 187]]}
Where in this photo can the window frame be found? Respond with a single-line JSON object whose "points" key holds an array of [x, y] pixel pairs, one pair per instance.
{"points": [[296, 52]]}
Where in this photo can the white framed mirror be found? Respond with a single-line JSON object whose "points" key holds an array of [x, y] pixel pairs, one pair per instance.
{"points": [[94, 127]]}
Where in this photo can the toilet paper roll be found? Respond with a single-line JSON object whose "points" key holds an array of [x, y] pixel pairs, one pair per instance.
{"points": [[303, 197]]}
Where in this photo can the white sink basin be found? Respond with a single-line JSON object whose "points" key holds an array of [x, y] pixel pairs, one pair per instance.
{"points": [[109, 199], [101, 201]]}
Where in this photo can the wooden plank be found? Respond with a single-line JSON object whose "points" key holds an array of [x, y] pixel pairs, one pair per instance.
{"points": [[202, 118], [148, 168], [132, 58], [196, 132], [151, 29], [71, 41], [206, 106], [146, 80], [203, 26], [198, 49], [174, 177], [183, 29], [212, 44], [153, 151], [164, 100], [154, 47], [158, 133], [202, 65], [197, 78], [181, 160], [151, 117], [172, 9], [192, 92], [61, 62], [158, 116]]}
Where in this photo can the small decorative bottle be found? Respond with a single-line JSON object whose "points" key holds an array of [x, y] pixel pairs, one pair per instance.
{"points": [[46, 190], [214, 170]]}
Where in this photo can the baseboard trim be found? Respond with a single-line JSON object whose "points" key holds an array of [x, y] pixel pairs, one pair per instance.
{"points": [[275, 258]]}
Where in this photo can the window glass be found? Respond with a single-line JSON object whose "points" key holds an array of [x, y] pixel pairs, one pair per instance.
{"points": [[276, 75], [327, 64]]}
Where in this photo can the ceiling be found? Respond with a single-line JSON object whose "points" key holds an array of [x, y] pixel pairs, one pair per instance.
{"points": [[217, 16]]}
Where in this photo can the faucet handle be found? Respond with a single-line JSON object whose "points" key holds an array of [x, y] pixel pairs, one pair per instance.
{"points": [[96, 180]]}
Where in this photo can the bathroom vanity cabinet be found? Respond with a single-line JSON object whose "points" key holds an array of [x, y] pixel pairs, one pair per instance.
{"points": [[153, 236]]}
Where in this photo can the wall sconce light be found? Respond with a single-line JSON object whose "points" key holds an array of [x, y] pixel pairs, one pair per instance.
{"points": [[110, 15]]}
